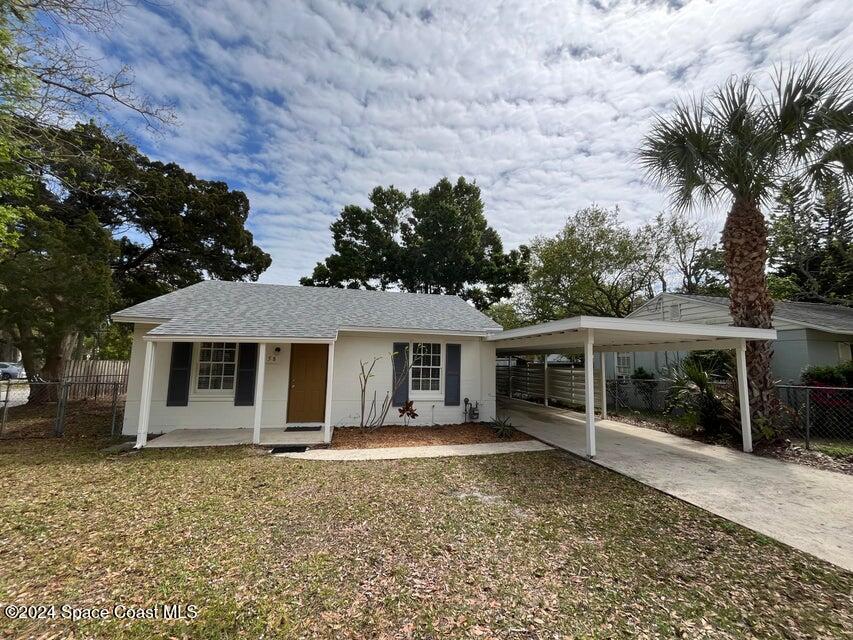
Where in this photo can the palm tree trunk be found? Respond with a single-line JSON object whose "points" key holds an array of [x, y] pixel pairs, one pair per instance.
{"points": [[745, 245]]}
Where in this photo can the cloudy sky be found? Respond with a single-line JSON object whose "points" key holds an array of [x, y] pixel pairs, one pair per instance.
{"points": [[307, 106]]}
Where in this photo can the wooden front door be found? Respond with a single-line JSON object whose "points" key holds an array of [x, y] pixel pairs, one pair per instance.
{"points": [[306, 398]]}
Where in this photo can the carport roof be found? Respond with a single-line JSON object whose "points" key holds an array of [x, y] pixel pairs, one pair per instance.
{"points": [[623, 334]]}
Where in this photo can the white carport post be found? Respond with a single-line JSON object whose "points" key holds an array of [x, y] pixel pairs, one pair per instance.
{"points": [[546, 379], [743, 396], [259, 392], [330, 367], [589, 394], [603, 387], [145, 394]]}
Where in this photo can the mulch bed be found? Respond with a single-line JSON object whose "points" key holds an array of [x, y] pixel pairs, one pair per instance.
{"points": [[399, 436]]}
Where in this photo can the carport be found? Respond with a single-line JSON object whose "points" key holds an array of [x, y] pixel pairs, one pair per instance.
{"points": [[590, 335]]}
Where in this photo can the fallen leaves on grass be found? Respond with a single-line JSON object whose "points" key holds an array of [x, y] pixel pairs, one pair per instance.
{"points": [[536, 545]]}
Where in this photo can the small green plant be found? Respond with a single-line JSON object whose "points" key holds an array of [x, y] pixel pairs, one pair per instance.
{"points": [[503, 427]]}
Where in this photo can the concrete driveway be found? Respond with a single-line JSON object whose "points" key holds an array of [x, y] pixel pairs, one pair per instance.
{"points": [[803, 507]]}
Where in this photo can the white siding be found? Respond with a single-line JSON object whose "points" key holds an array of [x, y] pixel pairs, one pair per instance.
{"points": [[477, 380], [202, 411], [792, 352], [692, 311]]}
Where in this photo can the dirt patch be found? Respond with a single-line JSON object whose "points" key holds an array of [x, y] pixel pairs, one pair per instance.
{"points": [[809, 457], [399, 436]]}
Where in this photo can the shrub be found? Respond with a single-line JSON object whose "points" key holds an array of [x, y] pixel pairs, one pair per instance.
{"points": [[836, 376], [695, 392], [716, 362], [503, 427], [641, 374]]}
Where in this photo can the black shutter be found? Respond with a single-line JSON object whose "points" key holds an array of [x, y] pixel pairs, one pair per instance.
{"points": [[452, 374], [247, 371], [400, 374], [178, 393]]}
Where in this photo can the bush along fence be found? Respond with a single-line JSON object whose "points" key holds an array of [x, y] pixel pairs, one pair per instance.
{"points": [[816, 417], [87, 402]]}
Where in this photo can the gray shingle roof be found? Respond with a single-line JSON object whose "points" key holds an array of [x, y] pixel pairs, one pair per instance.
{"points": [[811, 314], [248, 309]]}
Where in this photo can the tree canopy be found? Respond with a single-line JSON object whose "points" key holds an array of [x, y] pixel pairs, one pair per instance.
{"points": [[47, 80], [432, 242], [594, 265], [111, 228], [171, 228], [811, 242]]}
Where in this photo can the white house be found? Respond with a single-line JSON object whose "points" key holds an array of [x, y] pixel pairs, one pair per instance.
{"points": [[260, 362], [225, 348], [808, 333]]}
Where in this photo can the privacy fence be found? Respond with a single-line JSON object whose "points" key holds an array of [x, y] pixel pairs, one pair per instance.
{"points": [[87, 402], [819, 418]]}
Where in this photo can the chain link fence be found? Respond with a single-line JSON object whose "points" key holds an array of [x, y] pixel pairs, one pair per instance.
{"points": [[818, 418], [74, 407]]}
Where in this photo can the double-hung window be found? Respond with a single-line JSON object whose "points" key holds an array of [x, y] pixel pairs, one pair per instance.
{"points": [[426, 367], [217, 362], [624, 365]]}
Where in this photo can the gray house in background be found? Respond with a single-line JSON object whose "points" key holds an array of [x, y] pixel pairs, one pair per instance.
{"points": [[809, 333]]}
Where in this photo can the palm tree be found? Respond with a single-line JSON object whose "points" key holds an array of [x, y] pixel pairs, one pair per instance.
{"points": [[737, 146]]}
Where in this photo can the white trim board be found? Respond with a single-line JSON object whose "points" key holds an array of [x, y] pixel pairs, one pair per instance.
{"points": [[671, 330]]}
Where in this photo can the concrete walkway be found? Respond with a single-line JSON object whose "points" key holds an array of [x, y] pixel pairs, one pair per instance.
{"points": [[231, 437], [806, 508], [434, 451]]}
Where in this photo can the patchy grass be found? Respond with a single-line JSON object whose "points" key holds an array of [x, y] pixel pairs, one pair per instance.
{"points": [[836, 447], [536, 545]]}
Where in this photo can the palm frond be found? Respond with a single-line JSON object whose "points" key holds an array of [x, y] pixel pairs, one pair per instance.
{"points": [[813, 108], [678, 153], [746, 143]]}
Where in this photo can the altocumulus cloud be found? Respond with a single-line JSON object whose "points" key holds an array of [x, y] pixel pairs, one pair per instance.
{"points": [[308, 106]]}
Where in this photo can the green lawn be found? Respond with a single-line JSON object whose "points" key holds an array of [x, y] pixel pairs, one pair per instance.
{"points": [[517, 546]]}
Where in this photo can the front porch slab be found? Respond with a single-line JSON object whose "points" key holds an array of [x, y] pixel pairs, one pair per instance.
{"points": [[232, 437]]}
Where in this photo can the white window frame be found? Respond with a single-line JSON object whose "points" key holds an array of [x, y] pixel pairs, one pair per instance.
{"points": [[215, 393], [620, 369], [431, 394]]}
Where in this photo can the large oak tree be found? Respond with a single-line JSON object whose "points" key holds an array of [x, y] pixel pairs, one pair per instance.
{"points": [[111, 228], [437, 241]]}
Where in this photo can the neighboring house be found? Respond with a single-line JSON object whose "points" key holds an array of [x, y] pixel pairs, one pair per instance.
{"points": [[808, 333], [313, 339]]}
